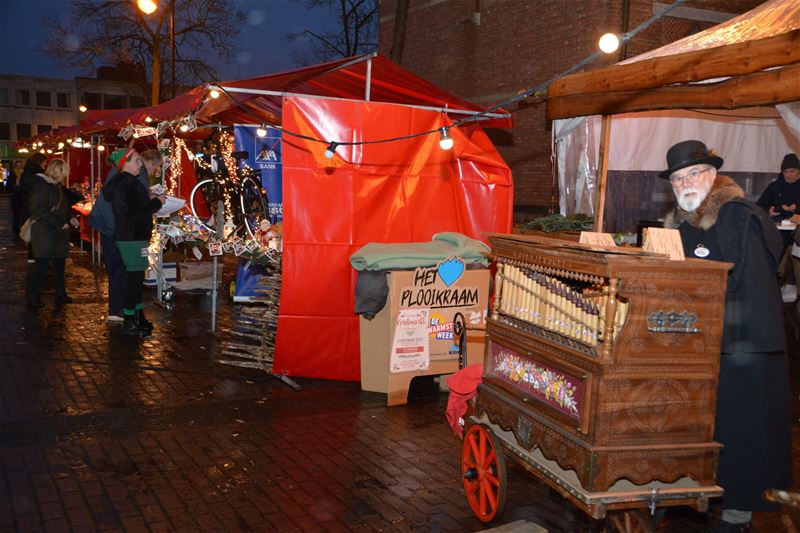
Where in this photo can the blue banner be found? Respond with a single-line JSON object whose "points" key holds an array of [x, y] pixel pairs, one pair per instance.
{"points": [[264, 154]]}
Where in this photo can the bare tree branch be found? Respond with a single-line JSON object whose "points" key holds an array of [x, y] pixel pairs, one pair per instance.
{"points": [[112, 32], [355, 33]]}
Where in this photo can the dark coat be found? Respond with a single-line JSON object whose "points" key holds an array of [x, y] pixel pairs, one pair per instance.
{"points": [[779, 193], [19, 200], [49, 238], [752, 419], [132, 207]]}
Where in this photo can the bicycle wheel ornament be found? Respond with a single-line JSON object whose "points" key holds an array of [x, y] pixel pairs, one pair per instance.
{"points": [[253, 203], [204, 201]]}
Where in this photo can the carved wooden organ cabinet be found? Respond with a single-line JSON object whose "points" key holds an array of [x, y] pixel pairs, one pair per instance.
{"points": [[604, 361]]}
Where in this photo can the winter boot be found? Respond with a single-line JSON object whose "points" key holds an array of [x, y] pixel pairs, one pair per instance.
{"points": [[130, 326], [144, 324]]}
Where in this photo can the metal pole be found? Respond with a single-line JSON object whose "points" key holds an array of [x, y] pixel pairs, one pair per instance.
{"points": [[220, 222], [172, 42], [369, 80]]}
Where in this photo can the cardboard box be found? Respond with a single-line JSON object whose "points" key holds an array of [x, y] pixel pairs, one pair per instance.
{"points": [[424, 289]]}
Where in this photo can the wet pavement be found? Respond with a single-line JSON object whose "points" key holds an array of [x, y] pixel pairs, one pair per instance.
{"points": [[100, 432]]}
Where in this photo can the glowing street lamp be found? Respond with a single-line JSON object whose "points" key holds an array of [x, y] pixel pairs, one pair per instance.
{"points": [[147, 6], [150, 6]]}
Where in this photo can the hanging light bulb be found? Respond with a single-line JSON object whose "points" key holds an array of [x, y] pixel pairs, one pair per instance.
{"points": [[60, 146], [82, 108], [445, 141], [609, 43], [184, 127], [331, 149], [213, 93], [262, 130], [148, 119], [101, 148], [49, 151]]}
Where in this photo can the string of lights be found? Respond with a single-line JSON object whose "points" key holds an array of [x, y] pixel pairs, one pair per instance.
{"points": [[608, 44]]}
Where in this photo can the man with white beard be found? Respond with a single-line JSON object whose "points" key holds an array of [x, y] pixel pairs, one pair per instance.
{"points": [[752, 419]]}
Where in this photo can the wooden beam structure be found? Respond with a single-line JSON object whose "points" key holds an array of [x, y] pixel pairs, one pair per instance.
{"points": [[655, 74], [763, 88]]}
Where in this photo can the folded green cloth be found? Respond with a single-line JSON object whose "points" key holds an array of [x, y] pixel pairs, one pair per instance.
{"points": [[405, 255]]}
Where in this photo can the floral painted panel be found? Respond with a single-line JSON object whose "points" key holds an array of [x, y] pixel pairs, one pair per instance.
{"points": [[556, 388]]}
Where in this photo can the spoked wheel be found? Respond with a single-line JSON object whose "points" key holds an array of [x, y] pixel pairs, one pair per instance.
{"points": [[254, 205], [634, 521], [483, 468], [204, 201]]}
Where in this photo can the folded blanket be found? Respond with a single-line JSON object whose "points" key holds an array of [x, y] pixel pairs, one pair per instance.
{"points": [[387, 256]]}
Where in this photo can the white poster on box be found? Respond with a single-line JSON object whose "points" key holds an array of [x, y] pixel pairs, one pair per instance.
{"points": [[410, 347]]}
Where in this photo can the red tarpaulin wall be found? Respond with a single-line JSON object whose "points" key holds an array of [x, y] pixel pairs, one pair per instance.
{"points": [[401, 191]]}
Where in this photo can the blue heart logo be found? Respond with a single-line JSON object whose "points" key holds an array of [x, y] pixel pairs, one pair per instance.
{"points": [[451, 270]]}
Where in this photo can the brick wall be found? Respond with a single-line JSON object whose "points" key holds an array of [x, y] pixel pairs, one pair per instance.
{"points": [[518, 44]]}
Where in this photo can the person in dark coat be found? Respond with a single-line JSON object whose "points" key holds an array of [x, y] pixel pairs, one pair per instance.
{"points": [[781, 198], [133, 209], [752, 417], [102, 219], [19, 199], [47, 204]]}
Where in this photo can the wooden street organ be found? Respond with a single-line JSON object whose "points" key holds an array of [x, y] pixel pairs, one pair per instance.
{"points": [[600, 375]]}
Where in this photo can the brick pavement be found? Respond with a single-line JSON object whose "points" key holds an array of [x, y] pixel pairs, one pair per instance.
{"points": [[104, 433]]}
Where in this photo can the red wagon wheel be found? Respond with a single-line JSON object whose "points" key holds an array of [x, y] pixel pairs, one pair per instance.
{"points": [[484, 473]]}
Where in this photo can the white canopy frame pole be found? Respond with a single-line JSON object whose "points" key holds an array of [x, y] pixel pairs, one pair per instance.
{"points": [[91, 191], [98, 179], [369, 80], [264, 92]]}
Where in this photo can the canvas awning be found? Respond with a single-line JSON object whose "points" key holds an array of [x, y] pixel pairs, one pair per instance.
{"points": [[367, 77]]}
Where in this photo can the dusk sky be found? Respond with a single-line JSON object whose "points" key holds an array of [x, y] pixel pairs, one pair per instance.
{"points": [[262, 47]]}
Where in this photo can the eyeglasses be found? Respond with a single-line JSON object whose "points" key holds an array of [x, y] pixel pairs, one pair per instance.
{"points": [[690, 177]]}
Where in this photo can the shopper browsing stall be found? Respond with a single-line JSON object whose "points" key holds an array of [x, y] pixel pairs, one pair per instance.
{"points": [[133, 207]]}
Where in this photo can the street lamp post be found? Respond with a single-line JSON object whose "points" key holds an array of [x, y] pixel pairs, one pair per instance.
{"points": [[150, 6]]}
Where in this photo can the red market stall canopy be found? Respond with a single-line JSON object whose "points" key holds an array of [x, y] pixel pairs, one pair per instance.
{"points": [[369, 77], [750, 60], [405, 190], [401, 191]]}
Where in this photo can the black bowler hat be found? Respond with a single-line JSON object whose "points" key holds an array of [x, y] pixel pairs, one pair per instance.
{"points": [[688, 153]]}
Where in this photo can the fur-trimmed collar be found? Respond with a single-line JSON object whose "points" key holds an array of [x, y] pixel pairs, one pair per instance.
{"points": [[722, 191]]}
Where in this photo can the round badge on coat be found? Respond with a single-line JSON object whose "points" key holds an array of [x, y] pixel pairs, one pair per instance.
{"points": [[701, 251]]}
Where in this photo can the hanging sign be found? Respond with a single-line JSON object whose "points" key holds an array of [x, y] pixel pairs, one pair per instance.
{"points": [[264, 154]]}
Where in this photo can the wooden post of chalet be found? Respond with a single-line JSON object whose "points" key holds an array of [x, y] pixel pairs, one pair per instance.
{"points": [[602, 173]]}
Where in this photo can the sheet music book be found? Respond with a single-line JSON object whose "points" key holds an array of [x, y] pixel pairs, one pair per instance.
{"points": [[664, 241], [597, 239]]}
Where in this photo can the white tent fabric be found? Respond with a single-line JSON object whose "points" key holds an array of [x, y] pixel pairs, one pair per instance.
{"points": [[772, 18], [748, 139]]}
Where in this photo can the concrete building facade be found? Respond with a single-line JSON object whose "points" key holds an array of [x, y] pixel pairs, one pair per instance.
{"points": [[487, 51], [32, 105]]}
